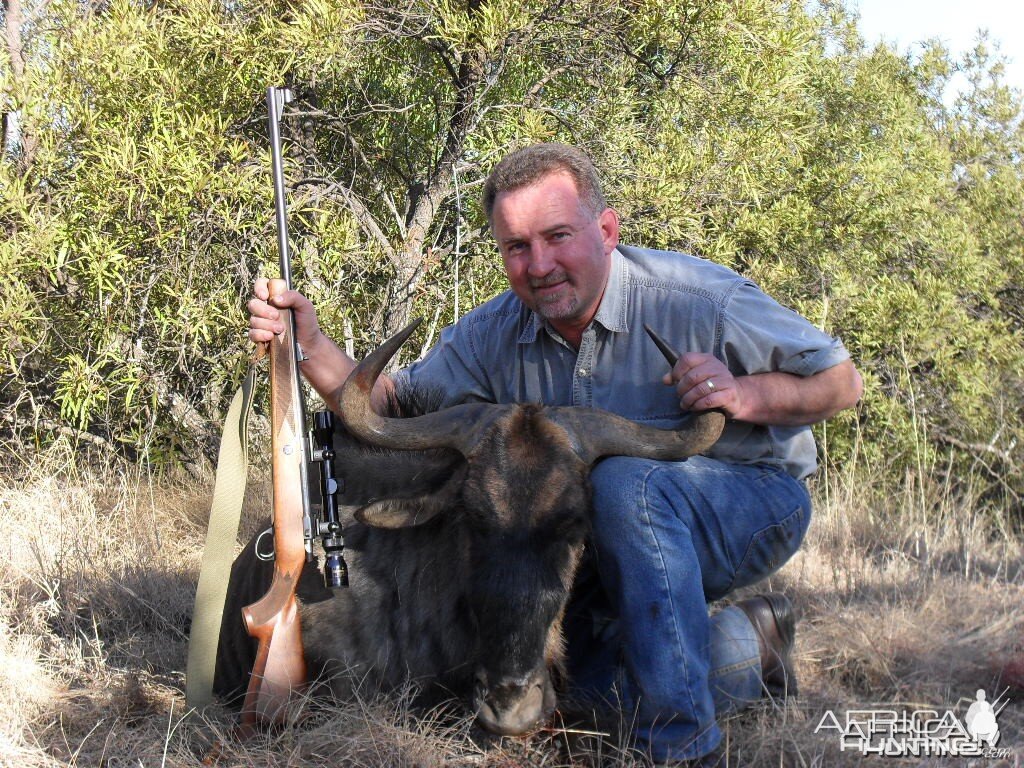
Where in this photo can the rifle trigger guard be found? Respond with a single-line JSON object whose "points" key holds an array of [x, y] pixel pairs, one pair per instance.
{"points": [[256, 547]]}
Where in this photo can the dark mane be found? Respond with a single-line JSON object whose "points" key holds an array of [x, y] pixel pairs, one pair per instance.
{"points": [[410, 399]]}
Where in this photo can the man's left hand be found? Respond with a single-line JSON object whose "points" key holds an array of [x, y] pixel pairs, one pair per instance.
{"points": [[703, 382]]}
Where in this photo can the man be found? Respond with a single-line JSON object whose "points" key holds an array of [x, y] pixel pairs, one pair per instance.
{"points": [[668, 537]]}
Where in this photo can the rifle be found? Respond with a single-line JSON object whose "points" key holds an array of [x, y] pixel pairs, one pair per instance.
{"points": [[280, 668]]}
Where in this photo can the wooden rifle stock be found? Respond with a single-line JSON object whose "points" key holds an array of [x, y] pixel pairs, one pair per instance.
{"points": [[280, 667], [279, 671]]}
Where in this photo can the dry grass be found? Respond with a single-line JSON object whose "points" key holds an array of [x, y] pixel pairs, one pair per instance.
{"points": [[910, 598]]}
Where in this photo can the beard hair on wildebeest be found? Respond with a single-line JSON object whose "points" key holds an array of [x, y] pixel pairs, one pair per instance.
{"points": [[465, 529]]}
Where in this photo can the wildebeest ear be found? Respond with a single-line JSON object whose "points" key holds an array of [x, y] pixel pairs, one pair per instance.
{"points": [[399, 513], [404, 513], [368, 474]]}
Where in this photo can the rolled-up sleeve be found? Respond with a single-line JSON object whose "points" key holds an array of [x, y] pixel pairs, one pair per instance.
{"points": [[450, 370], [760, 335]]}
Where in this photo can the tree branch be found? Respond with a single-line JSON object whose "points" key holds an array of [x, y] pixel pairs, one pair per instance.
{"points": [[364, 217], [975, 448]]}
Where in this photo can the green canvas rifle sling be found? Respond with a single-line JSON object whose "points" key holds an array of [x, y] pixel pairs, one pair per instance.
{"points": [[221, 534]]}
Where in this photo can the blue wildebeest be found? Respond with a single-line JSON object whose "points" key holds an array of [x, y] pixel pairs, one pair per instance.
{"points": [[462, 550]]}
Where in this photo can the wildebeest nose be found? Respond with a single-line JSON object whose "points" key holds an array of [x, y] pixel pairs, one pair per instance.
{"points": [[514, 707]]}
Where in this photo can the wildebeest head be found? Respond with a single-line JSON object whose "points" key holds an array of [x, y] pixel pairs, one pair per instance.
{"points": [[524, 497]]}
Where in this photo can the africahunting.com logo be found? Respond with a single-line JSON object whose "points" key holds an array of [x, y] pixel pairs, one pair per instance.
{"points": [[921, 732]]}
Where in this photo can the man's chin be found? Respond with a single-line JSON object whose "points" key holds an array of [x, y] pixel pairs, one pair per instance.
{"points": [[556, 310]]}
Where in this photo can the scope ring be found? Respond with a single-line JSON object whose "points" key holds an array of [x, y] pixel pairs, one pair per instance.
{"points": [[256, 547]]}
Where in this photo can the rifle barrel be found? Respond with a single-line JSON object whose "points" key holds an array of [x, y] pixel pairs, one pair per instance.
{"points": [[276, 99]]}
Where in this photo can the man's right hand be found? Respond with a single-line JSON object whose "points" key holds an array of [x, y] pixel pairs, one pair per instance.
{"points": [[265, 319], [325, 365]]}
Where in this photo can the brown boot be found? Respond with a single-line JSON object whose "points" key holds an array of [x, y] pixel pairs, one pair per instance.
{"points": [[774, 620]]}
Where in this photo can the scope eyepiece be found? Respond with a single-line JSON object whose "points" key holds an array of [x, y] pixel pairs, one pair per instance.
{"points": [[335, 570]]}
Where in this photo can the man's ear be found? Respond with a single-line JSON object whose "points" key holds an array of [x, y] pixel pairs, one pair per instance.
{"points": [[608, 221]]}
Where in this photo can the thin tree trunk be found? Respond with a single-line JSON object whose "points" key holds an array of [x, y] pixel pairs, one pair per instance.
{"points": [[14, 121], [409, 260]]}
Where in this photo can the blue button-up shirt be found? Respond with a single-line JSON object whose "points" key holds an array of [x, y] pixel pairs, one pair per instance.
{"points": [[503, 352]]}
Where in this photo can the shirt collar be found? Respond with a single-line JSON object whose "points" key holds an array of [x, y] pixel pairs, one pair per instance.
{"points": [[611, 312]]}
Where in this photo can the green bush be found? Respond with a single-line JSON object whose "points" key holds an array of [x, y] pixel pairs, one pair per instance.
{"points": [[137, 203]]}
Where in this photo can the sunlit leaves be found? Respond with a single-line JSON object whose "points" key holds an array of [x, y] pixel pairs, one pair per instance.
{"points": [[81, 389], [754, 133]]}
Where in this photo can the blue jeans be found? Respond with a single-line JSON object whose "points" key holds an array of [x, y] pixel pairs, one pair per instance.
{"points": [[669, 538]]}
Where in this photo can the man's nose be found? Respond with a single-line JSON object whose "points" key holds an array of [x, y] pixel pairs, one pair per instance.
{"points": [[541, 261]]}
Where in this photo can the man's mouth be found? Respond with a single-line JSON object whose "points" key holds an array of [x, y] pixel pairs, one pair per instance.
{"points": [[549, 286]]}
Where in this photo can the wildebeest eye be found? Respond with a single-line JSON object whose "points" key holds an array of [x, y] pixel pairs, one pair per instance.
{"points": [[572, 528]]}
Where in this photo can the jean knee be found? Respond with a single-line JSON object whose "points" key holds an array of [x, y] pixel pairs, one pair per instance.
{"points": [[618, 485], [632, 501]]}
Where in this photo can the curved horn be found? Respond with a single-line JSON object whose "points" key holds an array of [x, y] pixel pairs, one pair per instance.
{"points": [[598, 433], [663, 346], [457, 427], [595, 433]]}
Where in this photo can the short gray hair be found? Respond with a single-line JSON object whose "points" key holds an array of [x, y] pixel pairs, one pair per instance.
{"points": [[528, 165]]}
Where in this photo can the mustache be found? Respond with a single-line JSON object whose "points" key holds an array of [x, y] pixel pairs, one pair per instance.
{"points": [[544, 282]]}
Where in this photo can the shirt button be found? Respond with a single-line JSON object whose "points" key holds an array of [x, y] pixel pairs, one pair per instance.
{"points": [[582, 371]]}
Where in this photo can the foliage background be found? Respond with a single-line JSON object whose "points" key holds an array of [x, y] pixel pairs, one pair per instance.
{"points": [[136, 200], [136, 209]]}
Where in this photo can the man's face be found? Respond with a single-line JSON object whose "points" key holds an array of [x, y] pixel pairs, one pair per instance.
{"points": [[556, 252]]}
